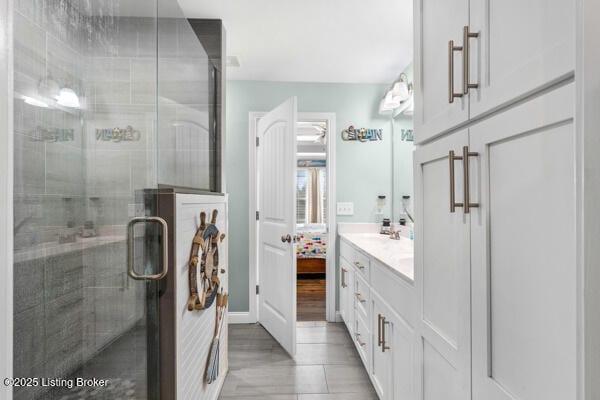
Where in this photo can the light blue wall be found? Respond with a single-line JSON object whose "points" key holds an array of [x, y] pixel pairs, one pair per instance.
{"points": [[363, 169]]}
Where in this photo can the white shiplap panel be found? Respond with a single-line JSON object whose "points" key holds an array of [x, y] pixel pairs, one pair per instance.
{"points": [[195, 330]]}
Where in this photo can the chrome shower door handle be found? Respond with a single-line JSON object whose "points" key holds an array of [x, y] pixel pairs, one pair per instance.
{"points": [[131, 247]]}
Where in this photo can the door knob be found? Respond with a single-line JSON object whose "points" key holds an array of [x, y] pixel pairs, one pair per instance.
{"points": [[286, 238]]}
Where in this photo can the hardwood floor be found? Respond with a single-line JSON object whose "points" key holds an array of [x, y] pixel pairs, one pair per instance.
{"points": [[311, 294], [326, 367]]}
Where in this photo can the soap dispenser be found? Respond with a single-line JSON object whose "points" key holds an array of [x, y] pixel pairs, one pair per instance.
{"points": [[379, 208], [386, 227]]}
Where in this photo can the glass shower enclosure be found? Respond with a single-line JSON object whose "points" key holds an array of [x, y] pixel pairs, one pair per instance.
{"points": [[112, 99]]}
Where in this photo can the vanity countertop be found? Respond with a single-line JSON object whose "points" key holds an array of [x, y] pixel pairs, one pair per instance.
{"points": [[398, 255]]}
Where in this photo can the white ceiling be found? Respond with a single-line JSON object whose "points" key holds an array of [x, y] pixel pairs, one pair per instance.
{"points": [[313, 40]]}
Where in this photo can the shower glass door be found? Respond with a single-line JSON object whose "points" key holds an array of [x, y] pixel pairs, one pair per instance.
{"points": [[86, 117]]}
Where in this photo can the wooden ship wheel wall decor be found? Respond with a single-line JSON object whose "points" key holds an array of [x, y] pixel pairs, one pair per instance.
{"points": [[205, 251]]}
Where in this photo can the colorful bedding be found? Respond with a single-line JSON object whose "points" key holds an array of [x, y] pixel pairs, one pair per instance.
{"points": [[311, 245]]}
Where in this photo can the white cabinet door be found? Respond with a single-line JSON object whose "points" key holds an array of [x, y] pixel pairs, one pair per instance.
{"points": [[393, 344], [442, 274], [436, 23], [346, 294], [383, 331], [342, 289], [523, 45], [524, 273], [402, 345]]}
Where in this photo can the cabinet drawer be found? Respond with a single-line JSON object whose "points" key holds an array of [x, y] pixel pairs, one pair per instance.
{"points": [[363, 265], [346, 251], [362, 296], [396, 292], [362, 337]]}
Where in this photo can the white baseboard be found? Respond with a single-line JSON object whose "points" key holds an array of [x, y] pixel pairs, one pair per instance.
{"points": [[240, 318], [221, 384], [338, 317]]}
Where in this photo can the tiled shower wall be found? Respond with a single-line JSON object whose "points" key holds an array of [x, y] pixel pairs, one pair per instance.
{"points": [[71, 301]]}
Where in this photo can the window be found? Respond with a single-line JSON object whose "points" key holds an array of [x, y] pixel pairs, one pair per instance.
{"points": [[311, 195]]}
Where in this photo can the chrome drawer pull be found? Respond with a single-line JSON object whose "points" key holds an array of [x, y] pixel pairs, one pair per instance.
{"points": [[362, 344], [384, 346], [359, 297]]}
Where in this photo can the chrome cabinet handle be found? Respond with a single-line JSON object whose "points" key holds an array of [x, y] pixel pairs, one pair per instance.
{"points": [[357, 335], [131, 244], [384, 346], [344, 284], [379, 319], [451, 49], [286, 238], [359, 297], [466, 205], [466, 174], [466, 60], [359, 265], [453, 204]]}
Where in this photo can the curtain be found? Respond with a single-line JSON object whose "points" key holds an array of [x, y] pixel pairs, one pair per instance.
{"points": [[316, 196]]}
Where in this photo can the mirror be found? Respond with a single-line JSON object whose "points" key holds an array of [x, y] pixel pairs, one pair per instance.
{"points": [[402, 147], [402, 168]]}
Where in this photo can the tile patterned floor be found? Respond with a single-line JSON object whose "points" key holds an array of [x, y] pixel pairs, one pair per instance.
{"points": [[326, 366]]}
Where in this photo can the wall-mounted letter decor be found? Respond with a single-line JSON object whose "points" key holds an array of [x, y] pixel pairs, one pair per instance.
{"points": [[407, 135], [127, 134], [362, 134]]}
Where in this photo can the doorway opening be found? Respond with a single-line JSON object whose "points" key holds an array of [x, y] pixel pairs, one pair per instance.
{"points": [[311, 220], [315, 226]]}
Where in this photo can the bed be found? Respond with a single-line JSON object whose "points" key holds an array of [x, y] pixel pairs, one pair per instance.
{"points": [[311, 248]]}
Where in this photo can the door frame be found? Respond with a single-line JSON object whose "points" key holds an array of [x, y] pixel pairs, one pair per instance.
{"points": [[6, 193], [330, 277]]}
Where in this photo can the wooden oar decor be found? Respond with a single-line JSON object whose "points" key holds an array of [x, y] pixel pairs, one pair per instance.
{"points": [[205, 242]]}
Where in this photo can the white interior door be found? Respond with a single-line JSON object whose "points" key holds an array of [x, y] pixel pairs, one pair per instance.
{"points": [[277, 223]]}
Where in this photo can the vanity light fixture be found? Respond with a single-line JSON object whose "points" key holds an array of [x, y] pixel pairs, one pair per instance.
{"points": [[399, 93], [68, 98], [391, 101], [401, 89], [35, 102]]}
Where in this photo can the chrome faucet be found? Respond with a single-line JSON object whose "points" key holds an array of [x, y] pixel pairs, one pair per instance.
{"points": [[395, 235]]}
